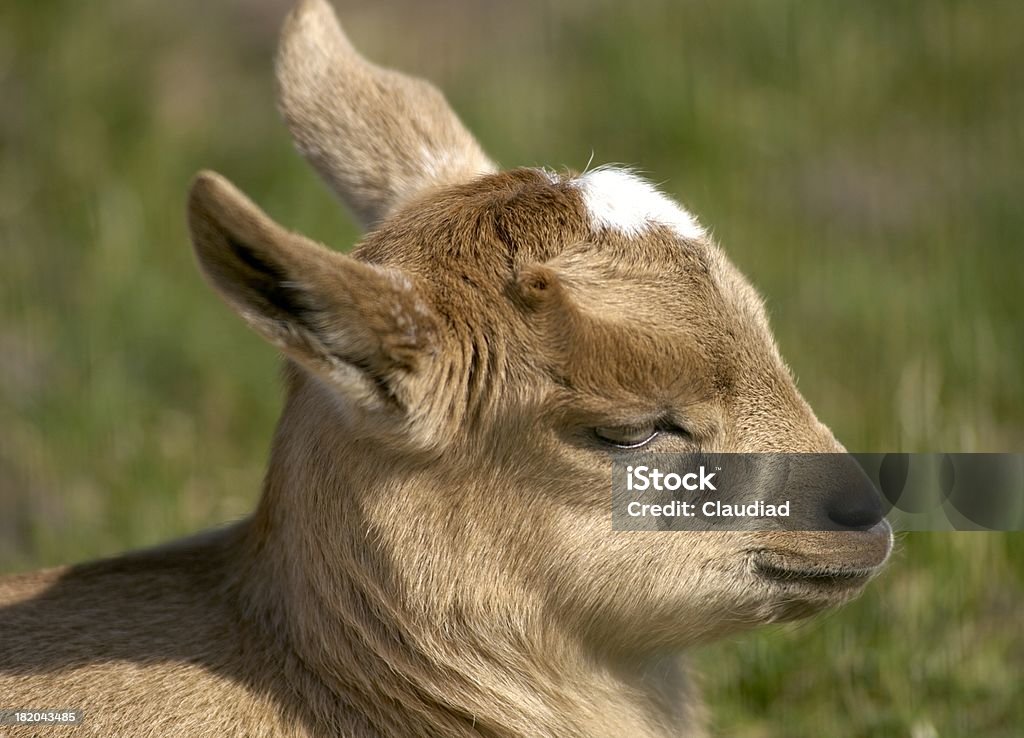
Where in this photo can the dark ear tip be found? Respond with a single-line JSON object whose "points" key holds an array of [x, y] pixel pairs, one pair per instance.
{"points": [[216, 205], [204, 194], [207, 188]]}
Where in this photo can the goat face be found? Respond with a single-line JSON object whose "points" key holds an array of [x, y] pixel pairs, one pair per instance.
{"points": [[466, 377]]}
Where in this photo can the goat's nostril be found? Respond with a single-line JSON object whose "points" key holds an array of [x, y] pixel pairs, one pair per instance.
{"points": [[855, 511]]}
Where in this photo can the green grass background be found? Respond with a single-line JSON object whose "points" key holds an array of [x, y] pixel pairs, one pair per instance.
{"points": [[862, 162]]}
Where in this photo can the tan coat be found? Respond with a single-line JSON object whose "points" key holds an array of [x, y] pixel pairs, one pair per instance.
{"points": [[432, 554]]}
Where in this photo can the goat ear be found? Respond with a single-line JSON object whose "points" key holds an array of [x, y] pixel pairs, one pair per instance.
{"points": [[379, 138], [360, 326]]}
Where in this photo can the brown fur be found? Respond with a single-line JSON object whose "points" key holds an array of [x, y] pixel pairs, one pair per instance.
{"points": [[432, 554]]}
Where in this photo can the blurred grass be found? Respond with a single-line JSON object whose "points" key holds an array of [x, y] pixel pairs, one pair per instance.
{"points": [[861, 162]]}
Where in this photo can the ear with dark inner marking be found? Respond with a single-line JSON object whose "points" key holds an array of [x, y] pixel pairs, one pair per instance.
{"points": [[361, 327]]}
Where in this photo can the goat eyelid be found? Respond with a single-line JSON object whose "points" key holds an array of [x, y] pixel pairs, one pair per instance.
{"points": [[627, 437], [639, 435]]}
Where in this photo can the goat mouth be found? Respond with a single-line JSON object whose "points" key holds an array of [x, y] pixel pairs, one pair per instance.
{"points": [[825, 578]]}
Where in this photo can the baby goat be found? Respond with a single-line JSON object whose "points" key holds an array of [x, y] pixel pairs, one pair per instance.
{"points": [[432, 554]]}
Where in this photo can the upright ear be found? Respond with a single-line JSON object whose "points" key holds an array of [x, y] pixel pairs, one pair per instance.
{"points": [[379, 138], [361, 327]]}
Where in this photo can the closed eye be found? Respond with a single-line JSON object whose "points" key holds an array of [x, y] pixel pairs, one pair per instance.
{"points": [[626, 436], [634, 436]]}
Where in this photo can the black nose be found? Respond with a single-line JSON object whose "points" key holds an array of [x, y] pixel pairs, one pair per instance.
{"points": [[854, 514], [852, 503]]}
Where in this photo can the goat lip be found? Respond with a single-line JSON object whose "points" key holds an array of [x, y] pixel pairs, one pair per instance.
{"points": [[826, 578]]}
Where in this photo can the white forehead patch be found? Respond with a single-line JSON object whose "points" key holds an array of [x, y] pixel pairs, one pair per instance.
{"points": [[621, 201]]}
